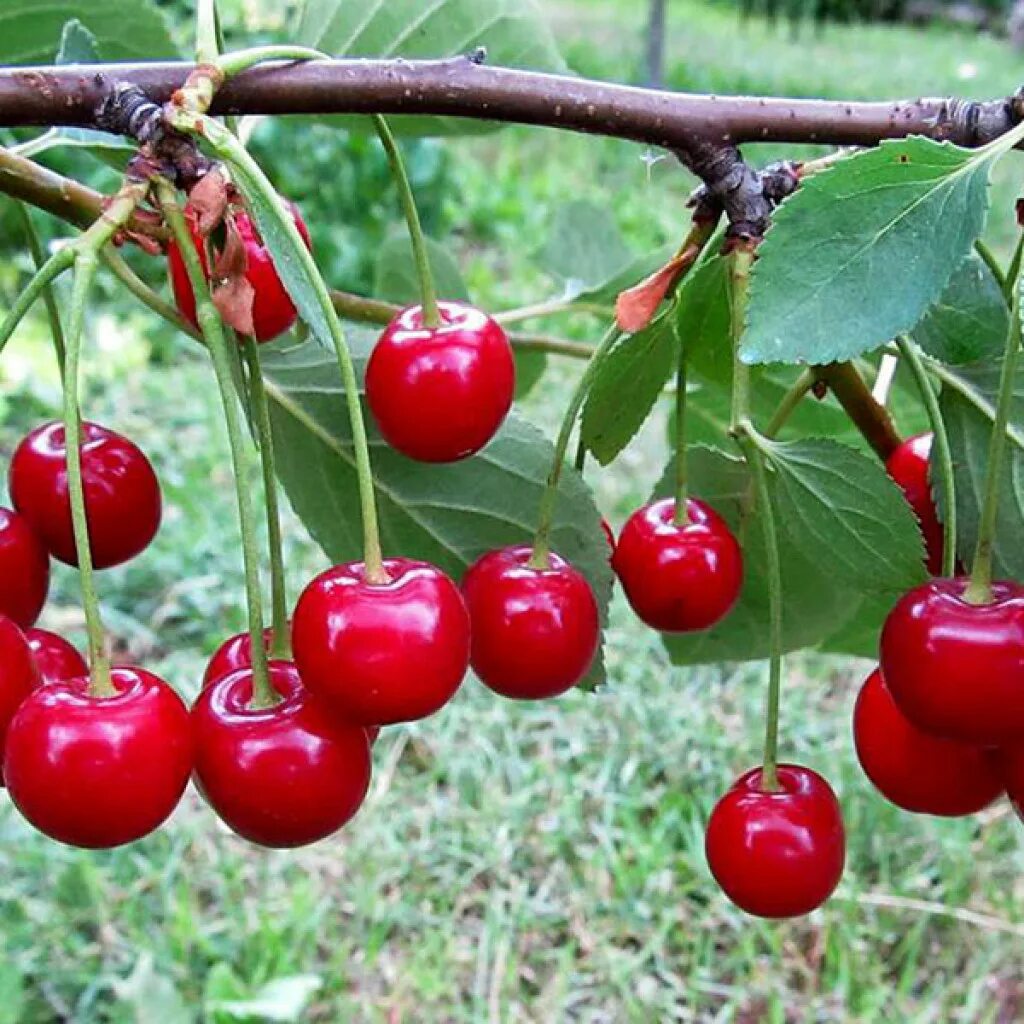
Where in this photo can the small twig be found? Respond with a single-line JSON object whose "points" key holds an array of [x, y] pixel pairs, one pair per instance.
{"points": [[868, 416]]}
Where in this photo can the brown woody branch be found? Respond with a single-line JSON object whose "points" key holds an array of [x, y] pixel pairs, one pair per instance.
{"points": [[869, 416]]}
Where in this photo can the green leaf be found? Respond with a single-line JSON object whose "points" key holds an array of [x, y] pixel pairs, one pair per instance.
{"points": [[123, 30], [814, 601], [628, 384], [512, 31], [585, 249], [704, 319], [395, 278], [445, 514], [970, 320], [845, 510], [857, 637], [859, 252]]}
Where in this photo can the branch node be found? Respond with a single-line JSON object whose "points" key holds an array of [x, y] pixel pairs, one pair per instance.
{"points": [[477, 56]]}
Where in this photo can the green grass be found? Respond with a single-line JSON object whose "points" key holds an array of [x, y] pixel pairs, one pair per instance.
{"points": [[512, 863]]}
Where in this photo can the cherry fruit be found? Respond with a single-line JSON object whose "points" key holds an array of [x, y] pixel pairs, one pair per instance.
{"points": [[777, 854], [280, 776], [272, 310], [908, 467], [380, 653], [99, 771], [122, 495], [535, 631], [233, 654], [440, 393], [678, 578], [1011, 764], [915, 770], [55, 658], [955, 669], [24, 570], [18, 674]]}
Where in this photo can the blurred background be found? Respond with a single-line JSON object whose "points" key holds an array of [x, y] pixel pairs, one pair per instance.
{"points": [[512, 863]]}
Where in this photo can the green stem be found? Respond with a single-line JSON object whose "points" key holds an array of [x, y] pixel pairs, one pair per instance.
{"points": [[790, 400], [263, 694], [49, 271], [979, 590], [280, 646], [989, 258], [1013, 273], [943, 453], [541, 557], [428, 293], [241, 60], [681, 516], [39, 259], [207, 46], [740, 262], [580, 461]]}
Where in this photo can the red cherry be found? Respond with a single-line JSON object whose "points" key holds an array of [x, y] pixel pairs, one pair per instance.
{"points": [[439, 393], [280, 776], [908, 466], [1011, 764], [678, 578], [55, 658], [777, 854], [122, 495], [535, 631], [18, 674], [272, 310], [99, 771], [915, 770], [956, 670], [24, 570], [382, 653], [233, 654]]}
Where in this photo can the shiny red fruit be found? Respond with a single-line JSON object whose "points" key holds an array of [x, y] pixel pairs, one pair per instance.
{"points": [[678, 578], [382, 653], [272, 309], [122, 495], [535, 631], [915, 770], [440, 393], [279, 776], [24, 570], [956, 670], [18, 674], [99, 771], [55, 658], [233, 654], [778, 854], [908, 466]]}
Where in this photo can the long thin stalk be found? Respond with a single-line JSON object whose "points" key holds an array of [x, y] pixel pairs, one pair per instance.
{"points": [[35, 247], [681, 515]]}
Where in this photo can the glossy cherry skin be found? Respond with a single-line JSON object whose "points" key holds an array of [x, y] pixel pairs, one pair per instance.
{"points": [[18, 674], [122, 495], [98, 772], [956, 670], [908, 466], [280, 776], [778, 854], [915, 770], [24, 570], [440, 393], [678, 578], [55, 658], [382, 653], [272, 309], [535, 631]]}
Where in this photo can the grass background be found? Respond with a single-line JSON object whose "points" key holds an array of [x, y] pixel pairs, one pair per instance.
{"points": [[512, 863]]}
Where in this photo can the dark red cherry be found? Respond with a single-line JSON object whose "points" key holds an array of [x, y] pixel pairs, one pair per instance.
{"points": [[915, 770], [55, 658], [24, 570], [535, 631], [122, 495], [280, 776], [18, 674], [678, 578], [272, 309], [908, 466], [777, 854], [382, 653], [233, 654], [99, 771], [440, 393], [956, 670]]}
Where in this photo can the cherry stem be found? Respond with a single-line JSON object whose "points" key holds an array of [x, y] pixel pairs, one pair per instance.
{"points": [[207, 43], [989, 259], [232, 64], [48, 272], [979, 590], [541, 557], [1014, 270], [789, 402], [39, 260], [681, 515], [740, 261], [280, 646], [428, 293], [943, 457], [263, 694]]}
